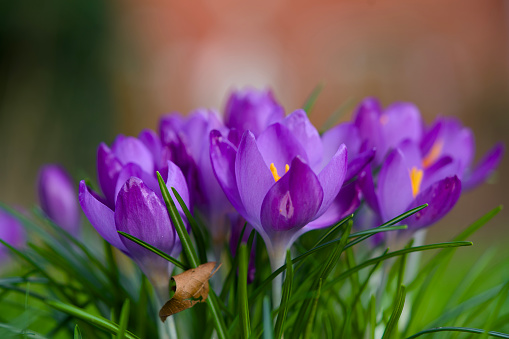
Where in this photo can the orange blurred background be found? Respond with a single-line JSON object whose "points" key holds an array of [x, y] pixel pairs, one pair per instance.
{"points": [[156, 56]]}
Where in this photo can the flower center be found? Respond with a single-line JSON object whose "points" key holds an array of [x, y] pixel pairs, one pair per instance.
{"points": [[273, 169], [433, 154], [416, 180]]}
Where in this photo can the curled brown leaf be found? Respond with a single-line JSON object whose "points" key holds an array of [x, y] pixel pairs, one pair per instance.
{"points": [[192, 287]]}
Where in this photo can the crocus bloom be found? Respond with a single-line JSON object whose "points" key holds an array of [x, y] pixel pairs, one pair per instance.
{"points": [[404, 183], [253, 110], [280, 181], [58, 198], [136, 206], [187, 139], [11, 231], [447, 138]]}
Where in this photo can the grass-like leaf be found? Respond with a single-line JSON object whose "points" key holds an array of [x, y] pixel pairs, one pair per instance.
{"points": [[268, 330], [287, 291], [310, 101], [154, 250], [399, 303], [124, 319], [460, 329], [242, 292], [77, 332]]}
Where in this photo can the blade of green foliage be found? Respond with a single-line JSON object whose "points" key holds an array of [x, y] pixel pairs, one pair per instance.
{"points": [[372, 316], [287, 292], [242, 292], [188, 249], [399, 303], [233, 270], [154, 250], [124, 319], [460, 329], [196, 230], [77, 332], [333, 229], [310, 101], [94, 320], [19, 331], [502, 297], [268, 330], [309, 327]]}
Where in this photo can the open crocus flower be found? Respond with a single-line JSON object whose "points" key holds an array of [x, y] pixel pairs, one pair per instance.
{"points": [[57, 197], [12, 232], [188, 140], [280, 181], [133, 204], [447, 138], [404, 183], [252, 110]]}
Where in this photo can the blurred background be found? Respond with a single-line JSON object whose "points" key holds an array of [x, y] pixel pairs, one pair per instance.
{"points": [[75, 73]]}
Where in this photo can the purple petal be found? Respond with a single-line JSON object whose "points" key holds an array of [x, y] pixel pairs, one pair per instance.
{"points": [[394, 186], [153, 143], [11, 231], [134, 170], [254, 178], [176, 180], [100, 216], [411, 153], [58, 198], [293, 201], [367, 185], [141, 213], [222, 156], [108, 167], [401, 121], [169, 124], [485, 167], [345, 133], [358, 163], [302, 129], [234, 136], [132, 150], [278, 145], [367, 120], [441, 197], [332, 177], [345, 203], [443, 168]]}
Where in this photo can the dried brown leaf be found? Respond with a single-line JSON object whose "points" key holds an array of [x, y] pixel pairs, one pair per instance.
{"points": [[192, 287]]}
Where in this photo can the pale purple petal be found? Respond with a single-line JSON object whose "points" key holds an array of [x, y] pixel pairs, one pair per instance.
{"points": [[132, 150], [394, 186], [279, 146], [367, 185], [302, 129], [367, 120], [254, 178], [293, 201], [358, 163], [441, 197], [108, 168], [441, 169], [484, 168], [153, 143], [134, 170], [345, 133], [332, 177], [100, 216], [11, 231], [176, 180], [401, 121]]}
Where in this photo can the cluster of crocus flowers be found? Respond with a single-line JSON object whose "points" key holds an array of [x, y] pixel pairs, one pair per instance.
{"points": [[277, 173]]}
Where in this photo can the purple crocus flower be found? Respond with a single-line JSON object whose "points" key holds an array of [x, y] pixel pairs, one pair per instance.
{"points": [[58, 198], [133, 204], [447, 138], [280, 181], [187, 143], [403, 184], [252, 110], [11, 231]]}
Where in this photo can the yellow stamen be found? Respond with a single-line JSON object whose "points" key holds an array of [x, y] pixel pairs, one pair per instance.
{"points": [[273, 170], [415, 180], [433, 154]]}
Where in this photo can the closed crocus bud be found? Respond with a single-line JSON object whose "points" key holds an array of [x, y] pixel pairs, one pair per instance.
{"points": [[11, 231], [253, 110], [58, 198]]}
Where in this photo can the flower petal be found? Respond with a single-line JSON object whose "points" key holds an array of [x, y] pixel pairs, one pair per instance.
{"points": [[293, 201], [176, 180], [108, 168], [153, 143], [358, 163], [254, 178], [485, 167], [332, 177], [141, 213], [441, 197], [367, 120], [222, 157], [345, 133], [394, 186], [278, 145], [302, 129], [130, 149], [401, 121], [100, 216]]}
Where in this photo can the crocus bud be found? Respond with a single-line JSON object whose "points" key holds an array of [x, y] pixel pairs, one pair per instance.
{"points": [[252, 110], [58, 198], [11, 231]]}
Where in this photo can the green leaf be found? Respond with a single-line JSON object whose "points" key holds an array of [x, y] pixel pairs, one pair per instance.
{"points": [[242, 292], [94, 320], [309, 328], [310, 102], [124, 319], [77, 332], [399, 303], [287, 291], [154, 250], [460, 329], [268, 330]]}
